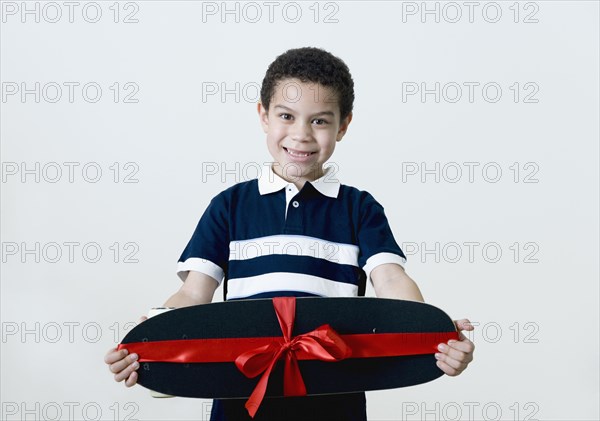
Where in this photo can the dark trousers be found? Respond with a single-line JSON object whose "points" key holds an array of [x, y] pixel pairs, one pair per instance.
{"points": [[340, 407]]}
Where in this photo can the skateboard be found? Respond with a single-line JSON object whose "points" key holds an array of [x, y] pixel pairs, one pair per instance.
{"points": [[303, 346]]}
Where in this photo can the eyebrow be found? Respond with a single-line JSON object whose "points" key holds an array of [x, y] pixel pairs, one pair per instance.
{"points": [[323, 113]]}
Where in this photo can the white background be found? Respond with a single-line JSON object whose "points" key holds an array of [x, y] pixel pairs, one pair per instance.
{"points": [[537, 311]]}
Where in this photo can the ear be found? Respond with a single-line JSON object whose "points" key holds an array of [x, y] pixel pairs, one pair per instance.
{"points": [[343, 127], [263, 116]]}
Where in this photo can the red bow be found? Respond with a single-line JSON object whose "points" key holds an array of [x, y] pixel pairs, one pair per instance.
{"points": [[323, 343]]}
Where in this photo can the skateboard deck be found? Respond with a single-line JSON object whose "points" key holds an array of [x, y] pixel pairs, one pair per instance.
{"points": [[370, 344]]}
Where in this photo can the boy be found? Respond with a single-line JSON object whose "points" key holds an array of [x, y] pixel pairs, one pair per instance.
{"points": [[311, 235]]}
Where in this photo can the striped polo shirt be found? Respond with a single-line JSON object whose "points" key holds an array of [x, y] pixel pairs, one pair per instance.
{"points": [[266, 238]]}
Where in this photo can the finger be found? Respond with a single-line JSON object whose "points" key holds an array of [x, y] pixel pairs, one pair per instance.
{"points": [[463, 324], [113, 355], [124, 363], [456, 355], [451, 371], [458, 364], [453, 357], [123, 374], [142, 319], [464, 345], [451, 354], [132, 379]]}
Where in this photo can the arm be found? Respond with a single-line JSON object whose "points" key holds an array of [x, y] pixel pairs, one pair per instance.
{"points": [[391, 281], [198, 288]]}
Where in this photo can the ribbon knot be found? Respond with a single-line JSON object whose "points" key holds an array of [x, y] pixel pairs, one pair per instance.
{"points": [[323, 343], [287, 346]]}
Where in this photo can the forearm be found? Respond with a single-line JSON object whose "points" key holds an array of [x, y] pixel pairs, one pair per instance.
{"points": [[390, 281], [197, 289], [183, 299]]}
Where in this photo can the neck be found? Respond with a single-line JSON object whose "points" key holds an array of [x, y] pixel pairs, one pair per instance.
{"points": [[298, 181]]}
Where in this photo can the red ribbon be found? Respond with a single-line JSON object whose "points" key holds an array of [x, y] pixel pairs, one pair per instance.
{"points": [[323, 343], [254, 356]]}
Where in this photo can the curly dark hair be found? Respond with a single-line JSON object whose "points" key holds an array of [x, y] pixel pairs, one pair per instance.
{"points": [[310, 64]]}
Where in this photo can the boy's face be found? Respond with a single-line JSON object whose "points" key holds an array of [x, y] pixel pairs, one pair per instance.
{"points": [[303, 118]]}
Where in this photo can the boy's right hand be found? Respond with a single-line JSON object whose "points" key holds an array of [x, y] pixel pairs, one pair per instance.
{"points": [[122, 365], [198, 288]]}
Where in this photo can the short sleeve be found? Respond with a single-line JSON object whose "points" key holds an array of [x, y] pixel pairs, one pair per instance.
{"points": [[208, 249], [375, 239]]}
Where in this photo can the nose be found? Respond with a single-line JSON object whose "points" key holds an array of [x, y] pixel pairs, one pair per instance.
{"points": [[300, 132]]}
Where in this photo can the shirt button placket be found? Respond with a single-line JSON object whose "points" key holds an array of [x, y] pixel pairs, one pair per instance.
{"points": [[293, 222]]}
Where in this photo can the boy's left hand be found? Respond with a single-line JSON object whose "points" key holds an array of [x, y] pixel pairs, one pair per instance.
{"points": [[454, 357]]}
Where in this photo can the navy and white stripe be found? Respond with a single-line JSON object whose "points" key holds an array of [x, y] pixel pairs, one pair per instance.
{"points": [[266, 238]]}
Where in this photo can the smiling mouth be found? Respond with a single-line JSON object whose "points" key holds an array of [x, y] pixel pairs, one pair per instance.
{"points": [[297, 153]]}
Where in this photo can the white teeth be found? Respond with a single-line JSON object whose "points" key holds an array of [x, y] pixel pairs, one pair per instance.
{"points": [[297, 154]]}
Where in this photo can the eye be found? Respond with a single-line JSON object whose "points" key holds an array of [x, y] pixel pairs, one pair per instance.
{"points": [[319, 121], [285, 116]]}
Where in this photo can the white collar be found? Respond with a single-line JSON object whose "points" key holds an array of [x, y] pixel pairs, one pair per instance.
{"points": [[269, 182]]}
